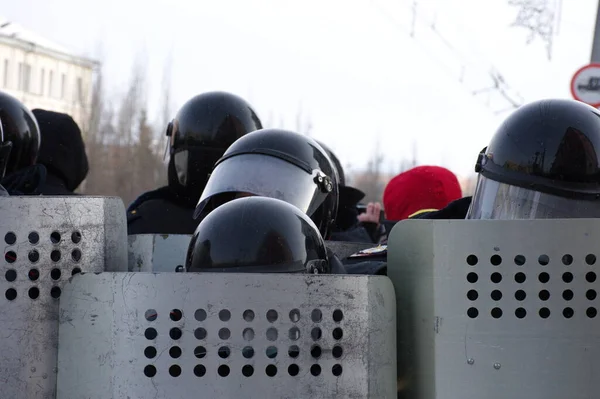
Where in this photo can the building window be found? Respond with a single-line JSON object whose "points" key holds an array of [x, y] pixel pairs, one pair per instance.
{"points": [[79, 91], [5, 73], [50, 81], [42, 76], [63, 84], [24, 76]]}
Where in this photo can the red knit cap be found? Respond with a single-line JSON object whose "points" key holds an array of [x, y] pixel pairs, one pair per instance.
{"points": [[418, 189]]}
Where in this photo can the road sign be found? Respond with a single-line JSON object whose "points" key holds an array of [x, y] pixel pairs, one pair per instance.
{"points": [[585, 85]]}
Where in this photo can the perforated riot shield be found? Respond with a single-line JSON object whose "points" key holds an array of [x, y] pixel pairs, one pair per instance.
{"points": [[497, 309], [183, 335], [167, 252], [46, 241], [157, 252]]}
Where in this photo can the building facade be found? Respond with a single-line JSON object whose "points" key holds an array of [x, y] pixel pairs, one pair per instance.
{"points": [[44, 75]]}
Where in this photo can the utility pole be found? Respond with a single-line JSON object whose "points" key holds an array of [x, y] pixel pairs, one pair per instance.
{"points": [[596, 42]]}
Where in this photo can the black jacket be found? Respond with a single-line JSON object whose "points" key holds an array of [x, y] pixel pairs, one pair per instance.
{"points": [[161, 211], [346, 216], [27, 181], [372, 261], [54, 185], [362, 232], [347, 228], [62, 152], [455, 210]]}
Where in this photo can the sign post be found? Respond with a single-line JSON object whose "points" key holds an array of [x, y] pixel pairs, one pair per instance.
{"points": [[595, 57], [585, 85]]}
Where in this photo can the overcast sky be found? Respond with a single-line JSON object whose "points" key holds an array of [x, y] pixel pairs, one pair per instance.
{"points": [[351, 66]]}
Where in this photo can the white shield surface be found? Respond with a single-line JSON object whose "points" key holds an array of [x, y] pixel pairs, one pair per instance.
{"points": [[157, 252], [188, 335], [166, 252], [46, 240], [497, 309]]}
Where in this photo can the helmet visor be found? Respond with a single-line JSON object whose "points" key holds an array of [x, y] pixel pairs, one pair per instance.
{"points": [[264, 176], [193, 164], [500, 201]]}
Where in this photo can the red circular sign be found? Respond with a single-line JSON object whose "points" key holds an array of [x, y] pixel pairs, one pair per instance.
{"points": [[585, 85]]}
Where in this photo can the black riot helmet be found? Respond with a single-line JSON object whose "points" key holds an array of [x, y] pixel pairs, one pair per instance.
{"points": [[336, 163], [278, 164], [257, 235], [21, 129], [349, 196], [543, 162], [201, 132], [5, 148]]}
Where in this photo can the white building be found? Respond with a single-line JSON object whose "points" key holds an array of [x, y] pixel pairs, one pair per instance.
{"points": [[45, 75]]}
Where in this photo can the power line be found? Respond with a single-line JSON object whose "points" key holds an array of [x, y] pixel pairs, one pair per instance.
{"points": [[541, 18], [497, 83]]}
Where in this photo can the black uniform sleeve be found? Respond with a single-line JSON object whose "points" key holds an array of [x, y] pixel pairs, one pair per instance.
{"points": [[26, 181], [159, 216], [455, 210]]}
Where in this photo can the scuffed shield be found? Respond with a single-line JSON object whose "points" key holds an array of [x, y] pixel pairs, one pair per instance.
{"points": [[217, 335], [167, 252], [157, 252], [46, 241], [497, 309]]}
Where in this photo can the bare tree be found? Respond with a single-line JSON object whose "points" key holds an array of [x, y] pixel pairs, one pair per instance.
{"points": [[408, 163], [144, 156], [303, 122], [269, 121], [127, 119], [540, 18], [160, 142], [468, 185], [371, 181], [122, 146], [91, 133]]}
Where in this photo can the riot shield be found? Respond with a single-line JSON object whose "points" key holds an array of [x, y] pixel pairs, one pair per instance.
{"points": [[496, 309], [167, 252], [218, 335], [157, 252], [46, 241]]}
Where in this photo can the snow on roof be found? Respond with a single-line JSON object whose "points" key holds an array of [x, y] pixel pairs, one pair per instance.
{"points": [[15, 31]]}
